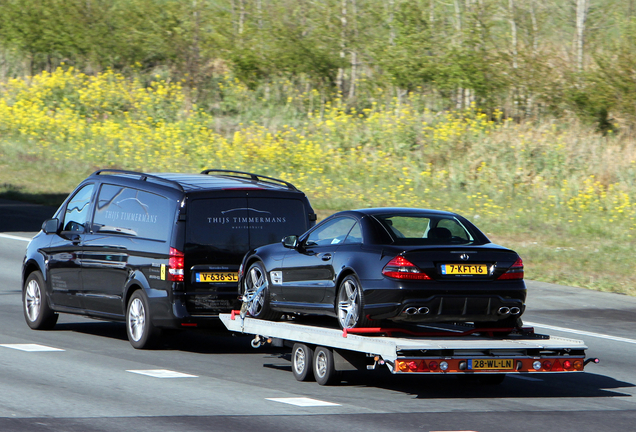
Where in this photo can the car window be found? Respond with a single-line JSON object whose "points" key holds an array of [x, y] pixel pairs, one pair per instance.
{"points": [[128, 211], [77, 210], [332, 232], [355, 235], [425, 230]]}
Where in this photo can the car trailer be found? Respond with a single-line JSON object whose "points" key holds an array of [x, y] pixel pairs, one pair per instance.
{"points": [[487, 354]]}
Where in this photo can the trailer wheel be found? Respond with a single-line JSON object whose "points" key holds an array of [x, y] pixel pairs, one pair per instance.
{"points": [[302, 362], [324, 368]]}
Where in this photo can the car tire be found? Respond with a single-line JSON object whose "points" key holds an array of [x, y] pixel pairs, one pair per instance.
{"points": [[142, 334], [35, 304], [350, 305], [256, 293], [302, 362], [324, 368]]}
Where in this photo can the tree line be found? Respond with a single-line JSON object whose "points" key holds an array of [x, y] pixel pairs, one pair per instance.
{"points": [[528, 58]]}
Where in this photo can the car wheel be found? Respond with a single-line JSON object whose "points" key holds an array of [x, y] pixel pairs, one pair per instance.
{"points": [[302, 362], [256, 293], [324, 368], [142, 334], [351, 304], [37, 312]]}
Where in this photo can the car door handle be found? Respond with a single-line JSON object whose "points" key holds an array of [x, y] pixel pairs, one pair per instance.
{"points": [[326, 257]]}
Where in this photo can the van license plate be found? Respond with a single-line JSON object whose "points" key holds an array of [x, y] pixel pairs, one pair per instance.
{"points": [[217, 277], [491, 364]]}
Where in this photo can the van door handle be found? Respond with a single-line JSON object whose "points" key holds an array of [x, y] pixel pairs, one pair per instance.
{"points": [[326, 257]]}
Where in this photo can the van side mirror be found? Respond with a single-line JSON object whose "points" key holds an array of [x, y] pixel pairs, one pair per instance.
{"points": [[51, 226], [290, 242]]}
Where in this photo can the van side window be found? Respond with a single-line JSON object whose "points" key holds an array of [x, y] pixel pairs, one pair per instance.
{"points": [[77, 210], [128, 211]]}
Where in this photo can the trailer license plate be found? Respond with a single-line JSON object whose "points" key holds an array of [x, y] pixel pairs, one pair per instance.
{"points": [[465, 269], [491, 364], [217, 277]]}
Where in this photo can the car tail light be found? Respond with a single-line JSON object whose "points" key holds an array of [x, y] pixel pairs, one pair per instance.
{"points": [[176, 266], [401, 268], [514, 272]]}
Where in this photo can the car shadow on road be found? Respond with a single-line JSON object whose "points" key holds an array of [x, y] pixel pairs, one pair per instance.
{"points": [[568, 385], [212, 340]]}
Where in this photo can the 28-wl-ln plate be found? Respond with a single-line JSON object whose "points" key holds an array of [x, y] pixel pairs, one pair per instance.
{"points": [[491, 364]]}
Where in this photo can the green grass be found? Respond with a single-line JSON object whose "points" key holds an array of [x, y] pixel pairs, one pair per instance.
{"points": [[557, 192]]}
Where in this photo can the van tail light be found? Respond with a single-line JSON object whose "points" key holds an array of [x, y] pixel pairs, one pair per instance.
{"points": [[401, 268], [514, 272], [176, 265]]}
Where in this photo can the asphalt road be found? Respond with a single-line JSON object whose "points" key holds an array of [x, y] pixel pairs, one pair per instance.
{"points": [[89, 378]]}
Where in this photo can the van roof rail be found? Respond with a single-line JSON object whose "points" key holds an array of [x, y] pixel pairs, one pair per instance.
{"points": [[142, 176], [251, 176]]}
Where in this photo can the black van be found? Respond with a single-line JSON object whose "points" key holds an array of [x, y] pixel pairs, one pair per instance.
{"points": [[155, 250]]}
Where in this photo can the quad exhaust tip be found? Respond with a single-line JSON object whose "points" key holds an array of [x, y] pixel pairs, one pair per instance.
{"points": [[417, 311], [504, 311]]}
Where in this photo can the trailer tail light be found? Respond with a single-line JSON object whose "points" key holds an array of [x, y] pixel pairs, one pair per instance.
{"points": [[401, 268], [514, 272], [176, 266]]}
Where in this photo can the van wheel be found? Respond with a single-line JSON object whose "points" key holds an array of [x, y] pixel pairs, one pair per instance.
{"points": [[256, 293], [142, 334], [37, 312]]}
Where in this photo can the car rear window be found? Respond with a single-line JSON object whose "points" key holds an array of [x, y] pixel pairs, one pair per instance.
{"points": [[236, 225], [426, 230]]}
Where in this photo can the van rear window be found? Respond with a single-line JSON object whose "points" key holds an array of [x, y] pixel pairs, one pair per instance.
{"points": [[236, 225]]}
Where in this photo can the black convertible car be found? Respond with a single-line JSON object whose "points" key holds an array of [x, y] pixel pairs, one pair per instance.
{"points": [[404, 265]]}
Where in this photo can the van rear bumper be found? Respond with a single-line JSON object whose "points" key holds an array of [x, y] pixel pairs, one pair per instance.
{"points": [[180, 318]]}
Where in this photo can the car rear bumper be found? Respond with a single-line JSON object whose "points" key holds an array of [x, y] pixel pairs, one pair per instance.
{"points": [[447, 303]]}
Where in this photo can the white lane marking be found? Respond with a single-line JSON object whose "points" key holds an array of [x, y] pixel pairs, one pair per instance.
{"points": [[12, 237], [581, 332], [31, 347], [303, 402], [162, 373], [523, 377]]}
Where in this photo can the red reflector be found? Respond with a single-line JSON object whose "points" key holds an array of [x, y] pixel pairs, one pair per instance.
{"points": [[557, 366], [188, 324], [401, 268], [176, 265], [514, 272]]}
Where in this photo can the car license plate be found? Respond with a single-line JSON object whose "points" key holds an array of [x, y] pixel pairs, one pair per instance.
{"points": [[491, 364], [217, 277], [465, 269]]}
